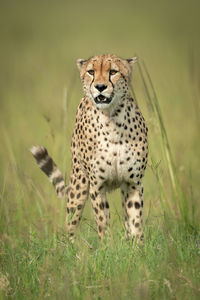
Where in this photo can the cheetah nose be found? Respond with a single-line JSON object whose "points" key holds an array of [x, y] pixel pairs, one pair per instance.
{"points": [[100, 87]]}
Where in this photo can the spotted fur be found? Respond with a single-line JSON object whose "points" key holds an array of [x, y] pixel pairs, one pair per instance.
{"points": [[109, 147]]}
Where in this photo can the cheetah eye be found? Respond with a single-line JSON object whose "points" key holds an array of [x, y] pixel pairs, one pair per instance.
{"points": [[91, 72], [113, 72]]}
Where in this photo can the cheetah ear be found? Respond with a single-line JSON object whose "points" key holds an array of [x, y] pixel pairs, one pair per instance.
{"points": [[132, 60], [80, 62]]}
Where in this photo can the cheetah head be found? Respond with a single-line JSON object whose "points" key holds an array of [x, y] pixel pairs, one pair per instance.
{"points": [[105, 79]]}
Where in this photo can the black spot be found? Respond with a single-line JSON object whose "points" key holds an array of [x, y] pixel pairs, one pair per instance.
{"points": [[101, 218], [78, 187], [79, 207], [130, 169], [142, 203], [96, 210], [130, 204], [78, 196], [100, 187], [100, 229], [132, 175], [92, 196], [137, 205], [102, 170], [137, 225], [107, 205], [101, 206], [71, 195], [74, 222]]}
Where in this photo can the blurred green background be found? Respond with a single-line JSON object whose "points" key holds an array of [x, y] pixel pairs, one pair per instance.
{"points": [[39, 93]]}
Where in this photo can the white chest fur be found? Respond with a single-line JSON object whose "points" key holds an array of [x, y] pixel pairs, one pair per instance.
{"points": [[114, 155]]}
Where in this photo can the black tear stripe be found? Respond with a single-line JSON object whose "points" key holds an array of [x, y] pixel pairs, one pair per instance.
{"points": [[111, 81], [92, 80], [91, 84]]}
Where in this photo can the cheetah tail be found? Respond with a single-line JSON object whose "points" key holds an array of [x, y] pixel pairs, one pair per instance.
{"points": [[47, 165]]}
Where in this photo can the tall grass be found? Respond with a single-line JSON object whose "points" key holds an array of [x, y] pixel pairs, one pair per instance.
{"points": [[178, 203]]}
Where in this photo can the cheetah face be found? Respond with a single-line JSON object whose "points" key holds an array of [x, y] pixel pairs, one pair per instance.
{"points": [[105, 78]]}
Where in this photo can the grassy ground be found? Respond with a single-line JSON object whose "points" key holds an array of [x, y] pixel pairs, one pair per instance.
{"points": [[39, 93]]}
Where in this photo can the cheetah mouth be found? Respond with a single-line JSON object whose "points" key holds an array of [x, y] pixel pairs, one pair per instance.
{"points": [[102, 99]]}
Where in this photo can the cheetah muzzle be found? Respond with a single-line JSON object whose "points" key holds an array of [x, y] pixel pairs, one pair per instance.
{"points": [[102, 99], [109, 148]]}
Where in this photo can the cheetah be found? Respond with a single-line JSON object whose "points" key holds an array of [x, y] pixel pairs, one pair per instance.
{"points": [[109, 147]]}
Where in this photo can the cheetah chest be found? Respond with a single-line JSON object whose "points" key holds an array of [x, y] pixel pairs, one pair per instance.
{"points": [[115, 159], [117, 164]]}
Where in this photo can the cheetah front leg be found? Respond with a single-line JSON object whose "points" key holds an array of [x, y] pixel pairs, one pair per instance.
{"points": [[101, 210], [132, 202], [77, 194]]}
